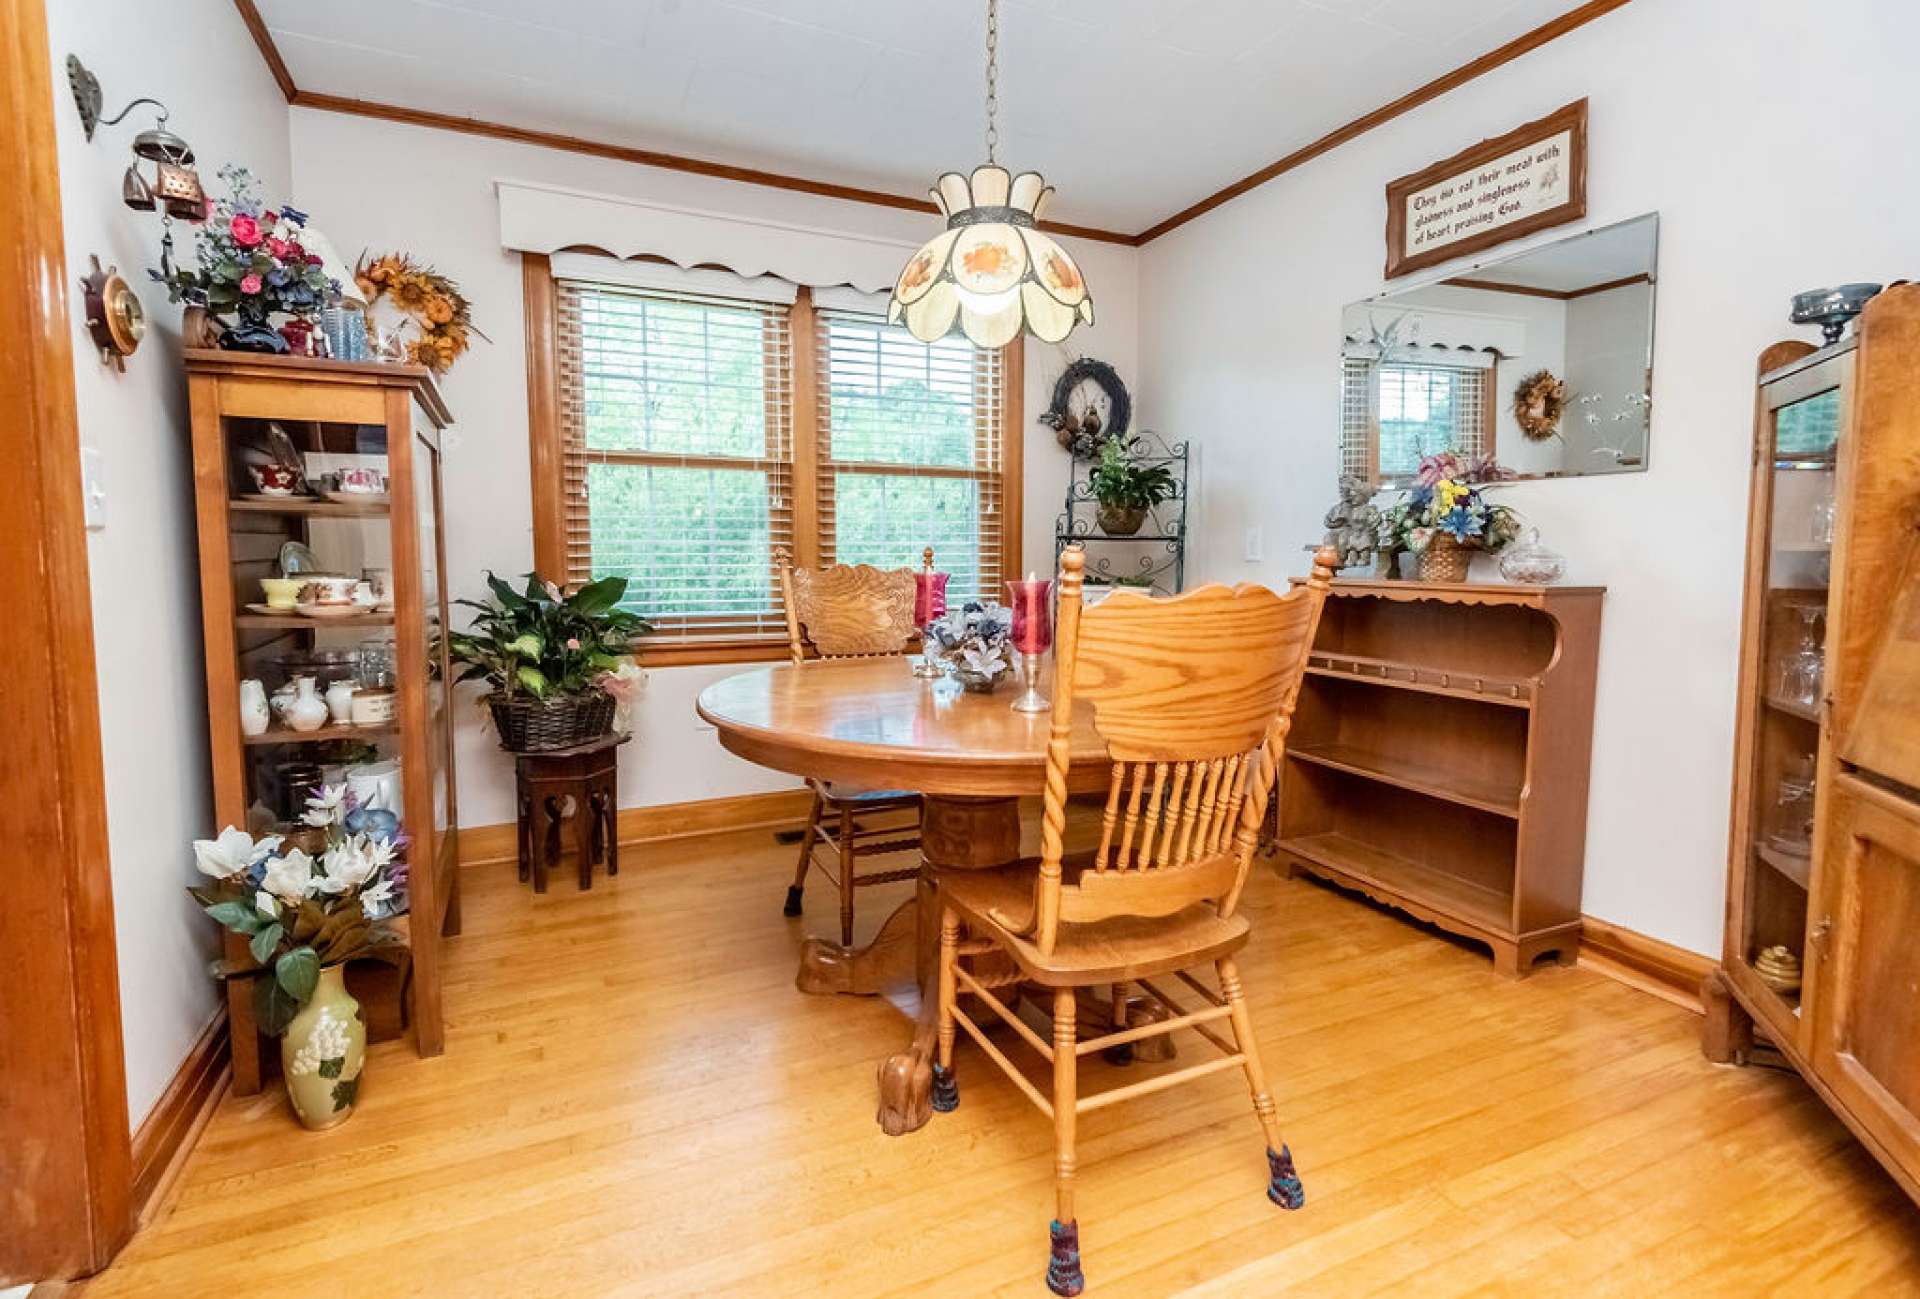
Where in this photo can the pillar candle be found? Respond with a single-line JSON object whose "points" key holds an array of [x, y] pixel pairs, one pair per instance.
{"points": [[1032, 616]]}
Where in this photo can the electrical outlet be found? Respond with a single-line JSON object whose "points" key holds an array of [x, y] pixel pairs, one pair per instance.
{"points": [[1253, 544]]}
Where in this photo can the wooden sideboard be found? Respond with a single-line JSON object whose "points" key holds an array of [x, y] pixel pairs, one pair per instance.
{"points": [[1438, 758], [1834, 528]]}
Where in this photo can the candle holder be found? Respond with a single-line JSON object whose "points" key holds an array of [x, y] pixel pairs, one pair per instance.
{"points": [[929, 604], [1032, 637]]}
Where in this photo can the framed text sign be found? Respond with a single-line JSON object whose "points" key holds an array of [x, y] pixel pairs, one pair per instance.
{"points": [[1532, 177]]}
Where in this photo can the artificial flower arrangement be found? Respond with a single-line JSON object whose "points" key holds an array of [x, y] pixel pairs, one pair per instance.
{"points": [[252, 263], [976, 643], [429, 299], [300, 913], [1446, 515], [552, 656]]}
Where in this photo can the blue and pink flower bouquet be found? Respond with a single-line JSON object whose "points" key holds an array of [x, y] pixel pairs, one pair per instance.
{"points": [[1446, 514]]}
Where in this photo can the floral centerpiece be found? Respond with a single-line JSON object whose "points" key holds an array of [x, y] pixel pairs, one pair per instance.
{"points": [[303, 918], [556, 663], [251, 263], [1445, 516], [1126, 487], [975, 642]]}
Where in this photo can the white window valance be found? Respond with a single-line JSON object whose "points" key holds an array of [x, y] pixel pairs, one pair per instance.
{"points": [[597, 268], [1424, 335], [545, 219]]}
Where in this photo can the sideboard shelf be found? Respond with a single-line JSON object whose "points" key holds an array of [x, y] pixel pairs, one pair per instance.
{"points": [[311, 506], [1439, 754], [300, 622], [342, 731], [1796, 868]]}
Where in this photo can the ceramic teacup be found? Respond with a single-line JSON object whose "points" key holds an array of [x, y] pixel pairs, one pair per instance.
{"points": [[282, 592], [273, 479], [328, 588], [361, 480]]}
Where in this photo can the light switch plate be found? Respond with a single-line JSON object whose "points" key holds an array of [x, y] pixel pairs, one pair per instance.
{"points": [[1253, 544], [93, 488]]}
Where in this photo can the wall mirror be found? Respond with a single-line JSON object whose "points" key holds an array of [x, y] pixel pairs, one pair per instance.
{"points": [[1543, 360]]}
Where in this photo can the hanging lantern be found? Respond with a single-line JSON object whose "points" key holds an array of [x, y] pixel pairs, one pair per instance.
{"points": [[992, 269]]}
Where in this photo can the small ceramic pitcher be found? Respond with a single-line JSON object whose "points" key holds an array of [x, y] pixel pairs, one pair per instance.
{"points": [[340, 702], [323, 1051]]}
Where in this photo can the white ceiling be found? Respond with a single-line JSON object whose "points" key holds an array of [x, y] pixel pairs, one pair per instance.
{"points": [[1133, 108]]}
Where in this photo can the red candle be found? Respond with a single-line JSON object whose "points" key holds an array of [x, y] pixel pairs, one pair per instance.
{"points": [[1032, 616], [929, 597]]}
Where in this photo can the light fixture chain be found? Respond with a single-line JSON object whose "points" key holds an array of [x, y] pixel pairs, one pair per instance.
{"points": [[993, 76]]}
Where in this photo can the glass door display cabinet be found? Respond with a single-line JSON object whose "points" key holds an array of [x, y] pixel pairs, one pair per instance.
{"points": [[323, 595], [1823, 898]]}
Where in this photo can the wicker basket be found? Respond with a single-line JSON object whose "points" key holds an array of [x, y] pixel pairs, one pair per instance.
{"points": [[1444, 559], [529, 725]]}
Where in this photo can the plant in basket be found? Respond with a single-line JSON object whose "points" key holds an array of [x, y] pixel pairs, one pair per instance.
{"points": [[1446, 516], [304, 916], [556, 663], [1127, 487]]}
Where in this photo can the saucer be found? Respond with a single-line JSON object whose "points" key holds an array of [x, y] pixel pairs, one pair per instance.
{"points": [[357, 498], [325, 611], [272, 610]]}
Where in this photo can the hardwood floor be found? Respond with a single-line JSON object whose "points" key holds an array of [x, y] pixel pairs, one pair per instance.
{"points": [[635, 1101]]}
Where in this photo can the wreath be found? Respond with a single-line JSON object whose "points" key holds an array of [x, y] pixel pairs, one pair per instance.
{"points": [[429, 299], [1538, 403], [1083, 431]]}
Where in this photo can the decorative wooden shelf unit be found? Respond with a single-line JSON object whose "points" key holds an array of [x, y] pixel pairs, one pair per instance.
{"points": [[1836, 451], [332, 413], [1438, 758]]}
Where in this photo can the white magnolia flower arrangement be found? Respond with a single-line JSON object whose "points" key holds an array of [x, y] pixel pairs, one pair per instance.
{"points": [[299, 912], [975, 640]]}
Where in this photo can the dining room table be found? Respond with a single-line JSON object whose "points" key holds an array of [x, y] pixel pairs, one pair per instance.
{"points": [[871, 723]]}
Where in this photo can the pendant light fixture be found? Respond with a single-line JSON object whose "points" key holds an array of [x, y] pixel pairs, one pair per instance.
{"points": [[991, 267]]}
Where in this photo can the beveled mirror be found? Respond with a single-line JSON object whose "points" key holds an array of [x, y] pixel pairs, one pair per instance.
{"points": [[1542, 359]]}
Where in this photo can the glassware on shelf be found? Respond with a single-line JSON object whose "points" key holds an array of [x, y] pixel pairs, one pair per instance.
{"points": [[1820, 520], [1792, 831], [375, 667], [1801, 670], [1531, 564]]}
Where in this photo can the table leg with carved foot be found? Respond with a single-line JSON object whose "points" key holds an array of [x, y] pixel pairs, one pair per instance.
{"points": [[955, 834]]}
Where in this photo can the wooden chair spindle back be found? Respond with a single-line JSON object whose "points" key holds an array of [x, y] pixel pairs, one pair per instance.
{"points": [[1193, 695]]}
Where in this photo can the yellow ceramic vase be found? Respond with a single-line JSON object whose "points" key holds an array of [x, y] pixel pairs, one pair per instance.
{"points": [[322, 1053]]}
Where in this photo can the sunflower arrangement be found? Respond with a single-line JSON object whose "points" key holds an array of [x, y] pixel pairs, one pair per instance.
{"points": [[428, 298]]}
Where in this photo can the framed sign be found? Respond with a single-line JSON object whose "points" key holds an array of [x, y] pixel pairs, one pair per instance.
{"points": [[1533, 177]]}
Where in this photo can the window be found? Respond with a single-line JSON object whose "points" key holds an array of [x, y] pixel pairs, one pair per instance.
{"points": [[1393, 415], [682, 438]]}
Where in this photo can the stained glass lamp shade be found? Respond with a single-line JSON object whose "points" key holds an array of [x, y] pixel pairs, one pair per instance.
{"points": [[991, 267]]}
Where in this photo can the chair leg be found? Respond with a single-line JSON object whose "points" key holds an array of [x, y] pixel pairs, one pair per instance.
{"points": [[794, 890], [946, 1089], [1283, 1184], [846, 876], [1063, 1262], [1122, 1054]]}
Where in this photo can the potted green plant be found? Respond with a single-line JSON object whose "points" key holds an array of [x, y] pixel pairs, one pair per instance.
{"points": [[547, 657], [1127, 486]]}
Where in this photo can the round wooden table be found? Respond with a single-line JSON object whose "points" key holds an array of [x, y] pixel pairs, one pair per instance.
{"points": [[872, 723]]}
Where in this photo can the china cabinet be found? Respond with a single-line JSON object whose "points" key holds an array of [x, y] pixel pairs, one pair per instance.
{"points": [[322, 469], [1823, 893]]}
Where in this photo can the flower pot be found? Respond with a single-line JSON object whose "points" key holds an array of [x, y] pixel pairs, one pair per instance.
{"points": [[529, 725], [1444, 559], [322, 1053], [253, 333], [1121, 520]]}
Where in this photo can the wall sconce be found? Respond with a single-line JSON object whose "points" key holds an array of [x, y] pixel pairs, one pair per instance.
{"points": [[175, 190]]}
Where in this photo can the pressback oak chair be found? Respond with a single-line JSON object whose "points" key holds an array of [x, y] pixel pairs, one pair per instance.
{"points": [[1193, 695], [850, 611]]}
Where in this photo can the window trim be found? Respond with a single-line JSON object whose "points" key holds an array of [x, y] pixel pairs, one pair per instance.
{"points": [[541, 303]]}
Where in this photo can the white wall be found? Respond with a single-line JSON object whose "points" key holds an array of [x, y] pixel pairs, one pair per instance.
{"points": [[1767, 181], [197, 57], [377, 185]]}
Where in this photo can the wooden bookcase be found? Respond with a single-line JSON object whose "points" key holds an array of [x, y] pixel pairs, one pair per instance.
{"points": [[1438, 758], [1833, 525], [390, 417]]}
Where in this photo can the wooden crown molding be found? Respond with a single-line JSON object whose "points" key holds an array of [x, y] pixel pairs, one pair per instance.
{"points": [[1513, 49], [1559, 295]]}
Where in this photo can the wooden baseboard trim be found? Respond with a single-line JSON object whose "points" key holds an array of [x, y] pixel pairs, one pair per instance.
{"points": [[168, 1133], [1668, 972], [481, 844]]}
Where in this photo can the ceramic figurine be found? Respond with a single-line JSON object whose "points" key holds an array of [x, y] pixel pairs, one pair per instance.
{"points": [[308, 711], [255, 717], [1353, 524]]}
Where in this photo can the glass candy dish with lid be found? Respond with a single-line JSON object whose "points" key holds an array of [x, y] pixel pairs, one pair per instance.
{"points": [[1531, 564]]}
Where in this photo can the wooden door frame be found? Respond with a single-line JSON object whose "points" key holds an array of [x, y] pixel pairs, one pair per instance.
{"points": [[65, 1144]]}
